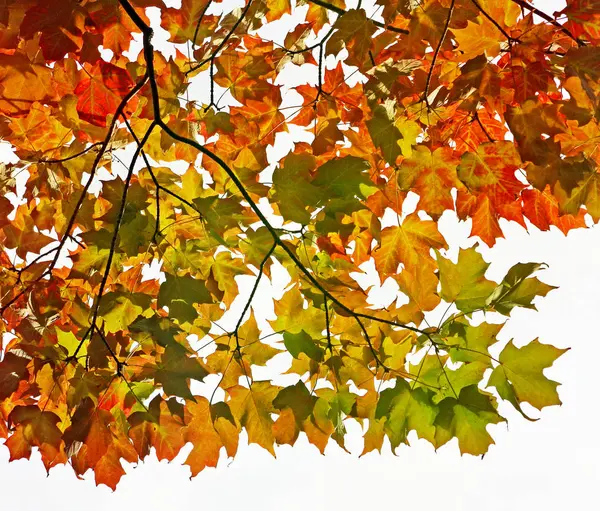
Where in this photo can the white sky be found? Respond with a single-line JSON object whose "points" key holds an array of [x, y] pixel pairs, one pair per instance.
{"points": [[552, 464]]}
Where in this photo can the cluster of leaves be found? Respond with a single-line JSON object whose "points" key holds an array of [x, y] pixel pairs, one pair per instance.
{"points": [[488, 108]]}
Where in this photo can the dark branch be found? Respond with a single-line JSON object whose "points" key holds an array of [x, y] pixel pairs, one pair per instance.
{"points": [[200, 18], [261, 270], [149, 58], [549, 19], [212, 58], [437, 51], [341, 12], [72, 157], [113, 242], [71, 223], [509, 38]]}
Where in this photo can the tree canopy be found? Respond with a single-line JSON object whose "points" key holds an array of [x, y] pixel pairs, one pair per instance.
{"points": [[167, 151]]}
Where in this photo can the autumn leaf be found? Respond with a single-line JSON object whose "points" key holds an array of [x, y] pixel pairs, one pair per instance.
{"points": [[385, 134], [406, 410], [467, 418], [12, 370], [252, 408], [175, 369], [431, 176], [206, 440], [181, 293], [518, 289], [158, 428], [519, 377], [464, 283], [100, 94], [408, 244], [36, 428], [302, 343]]}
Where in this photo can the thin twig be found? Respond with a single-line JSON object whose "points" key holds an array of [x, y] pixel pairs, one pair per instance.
{"points": [[436, 53], [212, 58], [113, 242], [341, 12], [549, 19], [149, 58], [73, 156], [83, 194], [494, 22]]}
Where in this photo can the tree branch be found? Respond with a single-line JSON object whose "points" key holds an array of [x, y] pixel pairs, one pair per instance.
{"points": [[113, 242], [524, 5], [252, 293], [72, 157], [212, 58], [494, 22], [437, 51], [341, 12], [200, 18], [84, 192], [149, 58]]}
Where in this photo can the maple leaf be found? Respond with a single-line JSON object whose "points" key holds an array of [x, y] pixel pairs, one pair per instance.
{"points": [[406, 410], [201, 431], [175, 369], [431, 176], [180, 293], [467, 418], [354, 31], [464, 283], [491, 170], [157, 428], [100, 94], [118, 310], [12, 369], [302, 343], [518, 289], [58, 29], [100, 442], [293, 188], [408, 244], [519, 376], [470, 343], [252, 408], [181, 22], [36, 428], [385, 134]]}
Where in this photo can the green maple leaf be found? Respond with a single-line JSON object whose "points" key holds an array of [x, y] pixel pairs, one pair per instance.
{"points": [[175, 369], [302, 343], [118, 310], [406, 410], [385, 134], [467, 418], [159, 329], [344, 178], [471, 343], [518, 289], [464, 283], [293, 190], [452, 382], [298, 399], [180, 293], [520, 377]]}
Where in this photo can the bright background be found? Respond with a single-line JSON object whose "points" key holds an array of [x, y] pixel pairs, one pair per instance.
{"points": [[552, 464]]}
